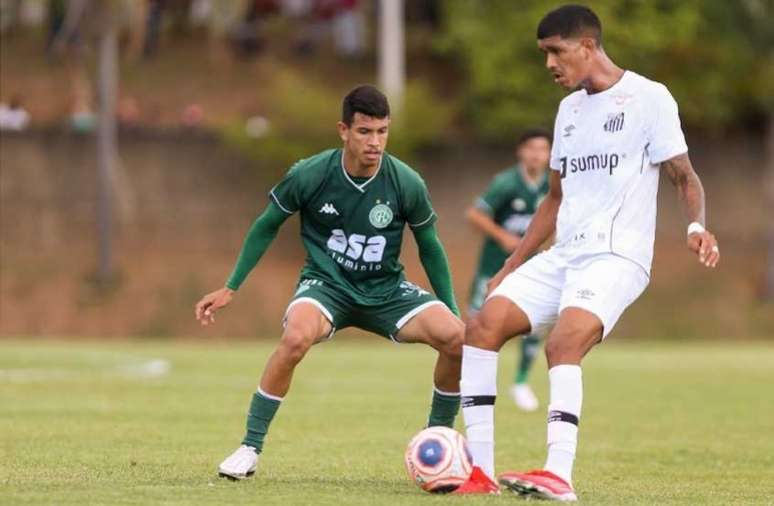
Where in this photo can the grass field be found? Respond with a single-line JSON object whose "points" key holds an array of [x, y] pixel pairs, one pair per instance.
{"points": [[105, 423]]}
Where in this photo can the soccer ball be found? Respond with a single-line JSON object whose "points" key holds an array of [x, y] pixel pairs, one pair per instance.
{"points": [[437, 460]]}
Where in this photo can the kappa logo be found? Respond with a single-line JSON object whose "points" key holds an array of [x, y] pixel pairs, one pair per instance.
{"points": [[568, 130], [328, 208], [614, 123]]}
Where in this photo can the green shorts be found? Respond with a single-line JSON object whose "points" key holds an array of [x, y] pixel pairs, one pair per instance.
{"points": [[478, 293], [386, 319]]}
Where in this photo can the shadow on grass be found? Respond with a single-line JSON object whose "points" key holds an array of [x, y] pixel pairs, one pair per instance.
{"points": [[330, 483]]}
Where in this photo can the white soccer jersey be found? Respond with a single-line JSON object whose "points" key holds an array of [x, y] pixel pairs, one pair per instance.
{"points": [[608, 147]]}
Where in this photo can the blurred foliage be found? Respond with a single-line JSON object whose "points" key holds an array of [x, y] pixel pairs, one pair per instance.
{"points": [[715, 56], [422, 121], [301, 118]]}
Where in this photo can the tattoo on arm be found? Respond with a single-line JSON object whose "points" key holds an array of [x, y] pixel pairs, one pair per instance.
{"points": [[690, 191]]}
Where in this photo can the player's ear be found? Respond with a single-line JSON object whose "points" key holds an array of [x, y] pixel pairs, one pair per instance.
{"points": [[589, 44], [343, 129]]}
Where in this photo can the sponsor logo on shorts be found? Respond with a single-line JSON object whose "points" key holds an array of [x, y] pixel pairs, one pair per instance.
{"points": [[410, 289], [585, 294], [306, 284]]}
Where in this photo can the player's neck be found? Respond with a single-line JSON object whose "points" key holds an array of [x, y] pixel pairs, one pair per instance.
{"points": [[604, 75], [532, 176], [354, 168]]}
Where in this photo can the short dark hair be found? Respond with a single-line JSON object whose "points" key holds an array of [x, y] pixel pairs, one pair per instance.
{"points": [[571, 20], [533, 133], [365, 99]]}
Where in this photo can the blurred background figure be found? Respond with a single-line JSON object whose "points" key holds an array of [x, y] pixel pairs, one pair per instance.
{"points": [[340, 20], [502, 214], [247, 34], [13, 116]]}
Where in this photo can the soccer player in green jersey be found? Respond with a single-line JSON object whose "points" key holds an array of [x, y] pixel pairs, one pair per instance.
{"points": [[503, 214], [354, 203]]}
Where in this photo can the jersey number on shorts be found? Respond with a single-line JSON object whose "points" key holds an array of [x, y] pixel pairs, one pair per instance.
{"points": [[370, 248]]}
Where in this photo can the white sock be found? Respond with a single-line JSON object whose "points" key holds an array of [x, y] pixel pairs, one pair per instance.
{"points": [[478, 386], [563, 415]]}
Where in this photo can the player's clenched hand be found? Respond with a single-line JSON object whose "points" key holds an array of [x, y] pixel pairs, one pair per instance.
{"points": [[705, 246], [509, 242], [205, 308]]}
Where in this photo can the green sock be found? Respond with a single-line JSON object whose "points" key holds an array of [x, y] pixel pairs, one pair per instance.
{"points": [[262, 410], [444, 408], [529, 347]]}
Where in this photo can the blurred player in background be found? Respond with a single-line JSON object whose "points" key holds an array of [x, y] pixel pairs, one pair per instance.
{"points": [[613, 136], [354, 204], [503, 214]]}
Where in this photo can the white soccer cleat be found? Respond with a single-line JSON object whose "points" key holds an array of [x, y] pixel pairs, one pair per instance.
{"points": [[524, 397], [240, 464]]}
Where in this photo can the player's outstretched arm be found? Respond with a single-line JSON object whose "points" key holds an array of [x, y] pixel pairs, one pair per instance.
{"points": [[483, 222], [436, 264], [539, 231], [690, 194], [261, 234]]}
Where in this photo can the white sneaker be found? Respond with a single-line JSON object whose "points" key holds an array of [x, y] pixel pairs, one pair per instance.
{"points": [[240, 464], [524, 397]]}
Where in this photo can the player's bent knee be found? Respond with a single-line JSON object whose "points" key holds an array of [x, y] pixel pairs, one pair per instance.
{"points": [[566, 348], [472, 330], [452, 338], [296, 342], [446, 336], [478, 333]]}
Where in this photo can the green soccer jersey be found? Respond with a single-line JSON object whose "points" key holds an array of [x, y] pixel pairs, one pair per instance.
{"points": [[511, 201], [352, 230]]}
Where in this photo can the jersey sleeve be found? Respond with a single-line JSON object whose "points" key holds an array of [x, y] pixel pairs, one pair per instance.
{"points": [[493, 198], [417, 206], [665, 135], [287, 194]]}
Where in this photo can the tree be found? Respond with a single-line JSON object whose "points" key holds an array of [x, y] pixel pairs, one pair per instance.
{"points": [[757, 15], [707, 51], [98, 20]]}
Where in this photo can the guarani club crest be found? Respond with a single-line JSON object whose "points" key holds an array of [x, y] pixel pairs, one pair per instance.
{"points": [[380, 215]]}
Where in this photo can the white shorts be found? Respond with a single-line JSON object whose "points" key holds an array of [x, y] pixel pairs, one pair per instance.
{"points": [[603, 284]]}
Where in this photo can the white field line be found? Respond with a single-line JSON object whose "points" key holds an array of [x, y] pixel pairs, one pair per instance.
{"points": [[151, 368]]}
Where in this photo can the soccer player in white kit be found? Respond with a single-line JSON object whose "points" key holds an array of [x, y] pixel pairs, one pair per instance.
{"points": [[612, 138]]}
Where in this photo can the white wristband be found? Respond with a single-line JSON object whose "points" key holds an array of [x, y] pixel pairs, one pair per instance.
{"points": [[695, 228]]}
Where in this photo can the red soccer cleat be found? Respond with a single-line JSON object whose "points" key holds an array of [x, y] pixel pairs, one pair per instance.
{"points": [[478, 483], [539, 483]]}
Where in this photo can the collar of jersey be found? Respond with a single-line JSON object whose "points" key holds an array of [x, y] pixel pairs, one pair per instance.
{"points": [[624, 77], [360, 186], [534, 186]]}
